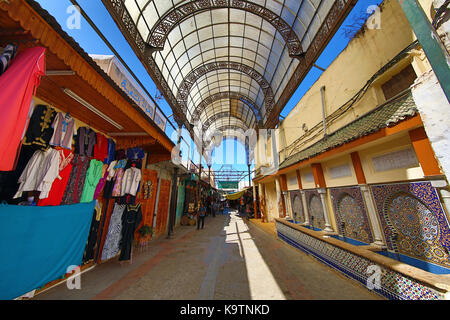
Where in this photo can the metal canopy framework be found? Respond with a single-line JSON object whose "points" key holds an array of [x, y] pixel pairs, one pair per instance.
{"points": [[228, 173], [230, 64]]}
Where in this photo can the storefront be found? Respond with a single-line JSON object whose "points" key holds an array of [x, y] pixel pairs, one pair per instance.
{"points": [[74, 178]]}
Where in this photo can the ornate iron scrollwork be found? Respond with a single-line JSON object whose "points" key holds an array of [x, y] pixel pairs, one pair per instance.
{"points": [[171, 19]]}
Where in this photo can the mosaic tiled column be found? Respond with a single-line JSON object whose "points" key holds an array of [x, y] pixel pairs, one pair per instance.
{"points": [[322, 193], [369, 201], [305, 208], [372, 214]]}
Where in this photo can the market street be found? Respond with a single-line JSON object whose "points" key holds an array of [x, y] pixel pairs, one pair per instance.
{"points": [[230, 259]]}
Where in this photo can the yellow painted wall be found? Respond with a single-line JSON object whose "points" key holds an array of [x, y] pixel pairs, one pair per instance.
{"points": [[342, 181], [356, 64], [350, 71], [271, 200], [394, 175], [307, 184], [292, 182]]}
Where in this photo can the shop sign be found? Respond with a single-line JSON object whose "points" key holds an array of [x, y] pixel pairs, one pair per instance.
{"points": [[114, 69]]}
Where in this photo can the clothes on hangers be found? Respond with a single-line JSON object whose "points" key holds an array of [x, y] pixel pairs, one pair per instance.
{"points": [[93, 176], [101, 148], [85, 141], [131, 218], [40, 172], [111, 246], [40, 131], [101, 184], [130, 181], [135, 153], [93, 234], [64, 130], [8, 54], [59, 185], [74, 189], [111, 151]]}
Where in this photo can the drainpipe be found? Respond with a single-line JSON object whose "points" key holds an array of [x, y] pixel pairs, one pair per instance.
{"points": [[324, 116]]}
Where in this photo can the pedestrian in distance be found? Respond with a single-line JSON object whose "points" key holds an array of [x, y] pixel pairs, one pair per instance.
{"points": [[201, 216]]}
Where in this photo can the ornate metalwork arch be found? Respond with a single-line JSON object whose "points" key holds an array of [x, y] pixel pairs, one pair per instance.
{"points": [[218, 116], [171, 19], [226, 95], [194, 75]]}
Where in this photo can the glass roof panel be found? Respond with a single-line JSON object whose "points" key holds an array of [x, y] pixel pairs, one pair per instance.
{"points": [[228, 35]]}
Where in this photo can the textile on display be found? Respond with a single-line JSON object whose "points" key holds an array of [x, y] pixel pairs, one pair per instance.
{"points": [[40, 129], [18, 84], [85, 141], [93, 176], [101, 184], [40, 172], [74, 189], [130, 181], [7, 55], [101, 147], [93, 233], [64, 130], [111, 246], [131, 218], [39, 244], [59, 185], [111, 151]]}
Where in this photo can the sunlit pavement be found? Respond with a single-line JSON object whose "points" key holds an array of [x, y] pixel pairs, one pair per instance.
{"points": [[228, 260]]}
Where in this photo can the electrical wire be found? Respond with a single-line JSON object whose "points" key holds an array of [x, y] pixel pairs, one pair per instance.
{"points": [[350, 103]]}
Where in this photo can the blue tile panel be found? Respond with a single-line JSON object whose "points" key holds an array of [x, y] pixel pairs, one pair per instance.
{"points": [[393, 285]]}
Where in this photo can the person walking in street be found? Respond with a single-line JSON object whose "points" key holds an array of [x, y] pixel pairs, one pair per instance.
{"points": [[214, 209], [201, 216]]}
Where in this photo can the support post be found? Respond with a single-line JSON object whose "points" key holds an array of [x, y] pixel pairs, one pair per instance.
{"points": [[430, 41], [173, 203], [368, 200], [305, 208], [255, 205], [284, 194], [319, 179], [279, 205]]}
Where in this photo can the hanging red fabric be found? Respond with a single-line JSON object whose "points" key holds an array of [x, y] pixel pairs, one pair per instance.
{"points": [[17, 87]]}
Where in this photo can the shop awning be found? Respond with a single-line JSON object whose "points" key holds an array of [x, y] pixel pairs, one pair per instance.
{"points": [[75, 83]]}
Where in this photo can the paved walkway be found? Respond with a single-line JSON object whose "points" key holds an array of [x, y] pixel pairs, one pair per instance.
{"points": [[230, 259]]}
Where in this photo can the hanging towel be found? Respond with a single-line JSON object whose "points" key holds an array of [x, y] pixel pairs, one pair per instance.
{"points": [[39, 244]]}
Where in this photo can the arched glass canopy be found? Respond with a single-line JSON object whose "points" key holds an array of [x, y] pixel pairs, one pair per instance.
{"points": [[230, 64]]}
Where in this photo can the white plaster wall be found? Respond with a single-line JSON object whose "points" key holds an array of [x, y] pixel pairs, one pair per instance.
{"points": [[434, 110]]}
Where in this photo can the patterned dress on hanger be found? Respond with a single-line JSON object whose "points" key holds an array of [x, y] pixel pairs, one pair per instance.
{"points": [[111, 247]]}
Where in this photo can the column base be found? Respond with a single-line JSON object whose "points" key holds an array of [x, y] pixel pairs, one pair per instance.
{"points": [[328, 229], [379, 244]]}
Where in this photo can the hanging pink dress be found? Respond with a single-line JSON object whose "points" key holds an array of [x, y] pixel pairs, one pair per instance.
{"points": [[18, 85]]}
